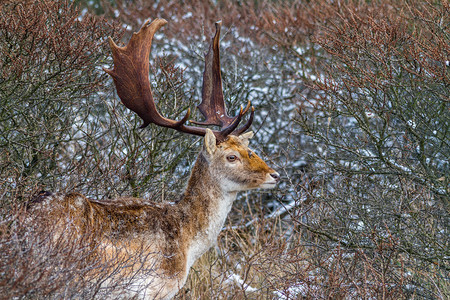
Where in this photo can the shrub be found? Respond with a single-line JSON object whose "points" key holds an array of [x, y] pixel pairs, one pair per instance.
{"points": [[50, 76], [380, 125], [352, 105]]}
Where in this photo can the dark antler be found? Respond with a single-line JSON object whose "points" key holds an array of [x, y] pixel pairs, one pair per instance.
{"points": [[213, 104], [130, 74]]}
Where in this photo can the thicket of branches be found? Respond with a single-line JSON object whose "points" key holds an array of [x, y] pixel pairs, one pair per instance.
{"points": [[352, 107], [381, 126]]}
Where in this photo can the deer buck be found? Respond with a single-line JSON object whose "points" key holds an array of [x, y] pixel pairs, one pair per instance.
{"points": [[172, 236]]}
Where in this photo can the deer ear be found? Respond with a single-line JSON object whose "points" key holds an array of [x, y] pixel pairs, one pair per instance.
{"points": [[210, 142], [245, 137]]}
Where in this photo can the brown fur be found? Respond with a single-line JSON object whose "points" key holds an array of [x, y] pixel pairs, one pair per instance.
{"points": [[166, 233]]}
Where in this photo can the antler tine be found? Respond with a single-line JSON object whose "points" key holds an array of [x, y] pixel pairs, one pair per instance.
{"points": [[247, 125], [235, 122]]}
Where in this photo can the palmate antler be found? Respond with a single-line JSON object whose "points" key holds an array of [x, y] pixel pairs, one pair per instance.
{"points": [[131, 77]]}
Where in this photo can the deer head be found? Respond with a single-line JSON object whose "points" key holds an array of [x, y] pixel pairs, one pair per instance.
{"points": [[236, 166], [131, 77]]}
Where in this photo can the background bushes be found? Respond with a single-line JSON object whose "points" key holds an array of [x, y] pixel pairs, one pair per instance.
{"points": [[352, 108]]}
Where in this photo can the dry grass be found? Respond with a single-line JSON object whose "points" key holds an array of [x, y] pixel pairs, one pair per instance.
{"points": [[374, 231]]}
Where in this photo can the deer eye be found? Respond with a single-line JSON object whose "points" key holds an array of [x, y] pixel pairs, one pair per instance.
{"points": [[231, 158]]}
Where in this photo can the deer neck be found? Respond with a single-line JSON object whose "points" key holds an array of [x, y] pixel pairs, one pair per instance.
{"points": [[206, 206]]}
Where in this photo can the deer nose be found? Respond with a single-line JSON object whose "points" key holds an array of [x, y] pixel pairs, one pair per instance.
{"points": [[275, 176]]}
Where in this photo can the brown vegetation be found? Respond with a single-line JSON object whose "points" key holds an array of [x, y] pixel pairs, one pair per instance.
{"points": [[354, 100]]}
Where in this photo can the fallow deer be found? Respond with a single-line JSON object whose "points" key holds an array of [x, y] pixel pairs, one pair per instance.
{"points": [[172, 236]]}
